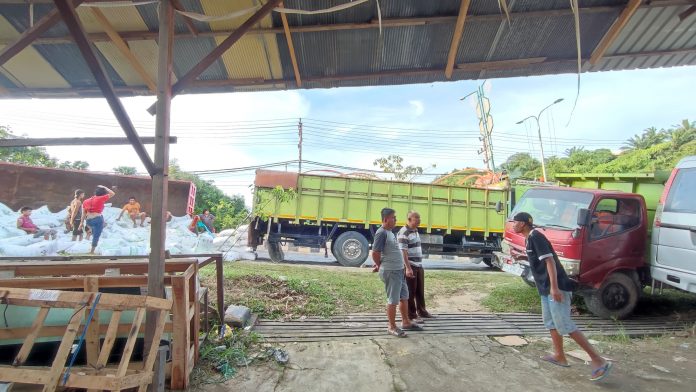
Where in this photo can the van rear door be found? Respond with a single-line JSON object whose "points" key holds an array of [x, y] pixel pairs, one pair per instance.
{"points": [[676, 226]]}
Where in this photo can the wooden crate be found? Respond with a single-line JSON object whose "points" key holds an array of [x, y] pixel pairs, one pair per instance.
{"points": [[180, 276], [98, 375]]}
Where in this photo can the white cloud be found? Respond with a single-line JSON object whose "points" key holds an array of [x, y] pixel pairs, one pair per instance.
{"points": [[418, 107]]}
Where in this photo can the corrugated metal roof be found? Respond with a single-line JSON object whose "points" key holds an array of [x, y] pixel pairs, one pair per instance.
{"points": [[263, 60]]}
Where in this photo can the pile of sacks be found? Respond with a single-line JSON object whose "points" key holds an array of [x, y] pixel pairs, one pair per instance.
{"points": [[119, 238]]}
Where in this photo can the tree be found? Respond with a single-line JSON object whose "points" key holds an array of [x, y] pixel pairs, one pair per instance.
{"points": [[682, 133], [126, 170], [34, 156], [394, 164], [650, 137], [522, 165], [229, 211]]}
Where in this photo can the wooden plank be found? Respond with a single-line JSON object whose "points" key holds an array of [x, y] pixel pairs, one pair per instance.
{"points": [[91, 284], [64, 350], [74, 141], [130, 342], [71, 20], [291, 47], [28, 343], [109, 339], [614, 31], [457, 37], [19, 296], [215, 54], [122, 46], [32, 33], [58, 330], [180, 334], [195, 310]]}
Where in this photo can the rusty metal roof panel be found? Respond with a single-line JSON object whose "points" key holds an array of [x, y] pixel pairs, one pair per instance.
{"points": [[360, 13]]}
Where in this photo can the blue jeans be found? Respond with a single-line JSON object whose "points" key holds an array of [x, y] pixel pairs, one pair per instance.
{"points": [[97, 225], [556, 315]]}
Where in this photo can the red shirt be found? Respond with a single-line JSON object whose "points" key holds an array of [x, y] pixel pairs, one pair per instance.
{"points": [[27, 222], [95, 203]]}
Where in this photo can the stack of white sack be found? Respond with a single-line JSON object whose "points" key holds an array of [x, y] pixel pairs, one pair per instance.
{"points": [[119, 237]]}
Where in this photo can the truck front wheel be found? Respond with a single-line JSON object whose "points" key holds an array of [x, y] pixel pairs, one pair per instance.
{"points": [[616, 298], [351, 249]]}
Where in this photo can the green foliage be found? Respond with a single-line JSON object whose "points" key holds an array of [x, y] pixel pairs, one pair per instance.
{"points": [[126, 170], [278, 195], [394, 164], [229, 211], [34, 156], [648, 152]]}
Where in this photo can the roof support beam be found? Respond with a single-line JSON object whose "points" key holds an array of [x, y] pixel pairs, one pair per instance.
{"points": [[187, 21], [124, 48], [67, 12], [614, 30], [74, 141], [215, 54], [211, 85], [32, 33], [291, 47], [457, 37]]}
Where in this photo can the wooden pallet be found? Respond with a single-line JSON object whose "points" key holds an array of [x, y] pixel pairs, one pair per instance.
{"points": [[99, 375], [181, 276]]}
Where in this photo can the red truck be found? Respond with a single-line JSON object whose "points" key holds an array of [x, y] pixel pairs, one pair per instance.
{"points": [[600, 236]]}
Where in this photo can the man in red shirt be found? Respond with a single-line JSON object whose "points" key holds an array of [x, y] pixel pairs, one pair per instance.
{"points": [[25, 223]]}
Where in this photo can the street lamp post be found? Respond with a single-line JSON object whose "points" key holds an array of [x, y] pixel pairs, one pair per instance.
{"points": [[541, 144]]}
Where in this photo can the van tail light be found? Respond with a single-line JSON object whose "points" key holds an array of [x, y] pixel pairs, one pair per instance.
{"points": [[663, 198]]}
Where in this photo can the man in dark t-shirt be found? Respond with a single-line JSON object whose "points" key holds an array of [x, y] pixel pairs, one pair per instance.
{"points": [[555, 289]]}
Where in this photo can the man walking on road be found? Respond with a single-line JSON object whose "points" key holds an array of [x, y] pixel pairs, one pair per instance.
{"points": [[410, 245], [390, 263], [555, 289]]}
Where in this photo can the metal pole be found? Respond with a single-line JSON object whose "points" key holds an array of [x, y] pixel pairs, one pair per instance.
{"points": [[541, 145], [299, 145], [155, 275]]}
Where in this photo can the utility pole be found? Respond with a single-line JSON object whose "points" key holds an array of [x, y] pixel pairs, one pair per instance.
{"points": [[483, 112], [299, 144], [541, 143]]}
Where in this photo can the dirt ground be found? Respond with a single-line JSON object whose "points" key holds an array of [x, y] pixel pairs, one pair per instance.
{"points": [[452, 363]]}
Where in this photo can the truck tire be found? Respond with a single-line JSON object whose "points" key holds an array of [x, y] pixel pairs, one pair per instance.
{"points": [[351, 249], [615, 299], [275, 252]]}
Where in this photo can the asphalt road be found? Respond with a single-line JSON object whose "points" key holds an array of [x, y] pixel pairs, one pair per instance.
{"points": [[301, 258]]}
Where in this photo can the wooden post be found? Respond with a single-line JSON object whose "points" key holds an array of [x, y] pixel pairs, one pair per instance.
{"points": [[155, 276], [92, 340]]}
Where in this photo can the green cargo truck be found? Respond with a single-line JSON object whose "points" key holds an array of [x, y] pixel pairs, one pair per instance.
{"points": [[345, 212]]}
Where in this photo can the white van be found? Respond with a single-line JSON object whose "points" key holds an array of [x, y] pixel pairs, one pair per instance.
{"points": [[673, 245]]}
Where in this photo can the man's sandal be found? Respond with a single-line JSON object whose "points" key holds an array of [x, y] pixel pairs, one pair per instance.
{"points": [[399, 333], [601, 372]]}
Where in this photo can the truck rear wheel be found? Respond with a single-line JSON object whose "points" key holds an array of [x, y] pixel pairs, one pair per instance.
{"points": [[615, 299], [351, 249], [275, 251]]}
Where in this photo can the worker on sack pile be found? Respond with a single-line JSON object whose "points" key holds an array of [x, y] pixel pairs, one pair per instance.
{"points": [[133, 209], [75, 214], [92, 209], [25, 223]]}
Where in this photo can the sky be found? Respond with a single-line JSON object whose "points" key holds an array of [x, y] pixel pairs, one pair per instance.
{"points": [[426, 124]]}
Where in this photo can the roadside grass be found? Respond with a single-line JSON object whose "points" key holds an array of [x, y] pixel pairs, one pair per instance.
{"points": [[279, 291]]}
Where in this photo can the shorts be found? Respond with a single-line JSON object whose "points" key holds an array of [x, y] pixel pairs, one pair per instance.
{"points": [[556, 315], [76, 227], [395, 285]]}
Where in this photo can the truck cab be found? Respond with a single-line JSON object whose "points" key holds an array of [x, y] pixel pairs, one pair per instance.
{"points": [[599, 236], [673, 243]]}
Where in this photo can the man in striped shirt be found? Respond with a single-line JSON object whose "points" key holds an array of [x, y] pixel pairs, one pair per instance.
{"points": [[410, 245]]}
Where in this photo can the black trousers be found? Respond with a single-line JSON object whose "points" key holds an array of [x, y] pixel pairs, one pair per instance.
{"points": [[416, 293]]}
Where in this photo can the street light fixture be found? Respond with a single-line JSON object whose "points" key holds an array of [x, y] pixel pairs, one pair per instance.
{"points": [[541, 144]]}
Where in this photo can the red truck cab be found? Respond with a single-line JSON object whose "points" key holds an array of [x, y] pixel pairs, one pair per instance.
{"points": [[600, 238]]}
